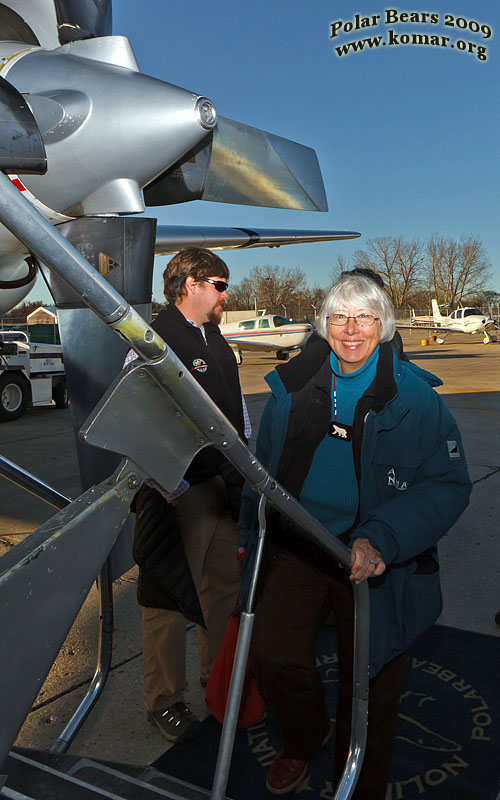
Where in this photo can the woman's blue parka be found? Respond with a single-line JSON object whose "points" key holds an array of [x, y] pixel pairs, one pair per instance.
{"points": [[413, 486]]}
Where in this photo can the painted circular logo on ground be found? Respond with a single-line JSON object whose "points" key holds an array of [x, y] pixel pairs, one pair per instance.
{"points": [[445, 739]]}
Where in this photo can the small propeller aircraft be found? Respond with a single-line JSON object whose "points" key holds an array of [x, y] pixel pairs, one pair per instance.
{"points": [[463, 320], [267, 333]]}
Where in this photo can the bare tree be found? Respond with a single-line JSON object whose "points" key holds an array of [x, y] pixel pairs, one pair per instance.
{"points": [[277, 288], [398, 261], [242, 295], [343, 265], [457, 270], [311, 301]]}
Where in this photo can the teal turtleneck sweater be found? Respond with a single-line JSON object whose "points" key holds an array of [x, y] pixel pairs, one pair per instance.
{"points": [[330, 491]]}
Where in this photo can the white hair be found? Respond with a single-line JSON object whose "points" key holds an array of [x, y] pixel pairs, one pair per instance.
{"points": [[361, 291]]}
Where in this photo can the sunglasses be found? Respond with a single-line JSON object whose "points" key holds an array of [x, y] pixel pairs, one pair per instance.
{"points": [[221, 286]]}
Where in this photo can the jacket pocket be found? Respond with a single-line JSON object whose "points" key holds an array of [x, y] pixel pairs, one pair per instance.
{"points": [[404, 603], [422, 603]]}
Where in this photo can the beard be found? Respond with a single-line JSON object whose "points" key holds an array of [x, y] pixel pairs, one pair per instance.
{"points": [[215, 315]]}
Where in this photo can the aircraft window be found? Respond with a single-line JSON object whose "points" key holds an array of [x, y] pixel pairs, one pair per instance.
{"points": [[264, 323], [453, 314], [279, 321], [472, 312], [247, 325], [459, 313]]}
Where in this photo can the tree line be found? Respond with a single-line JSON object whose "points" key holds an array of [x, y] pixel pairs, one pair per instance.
{"points": [[413, 271], [279, 290], [454, 271]]}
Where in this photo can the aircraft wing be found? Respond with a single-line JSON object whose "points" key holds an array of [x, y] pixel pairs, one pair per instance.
{"points": [[170, 238]]}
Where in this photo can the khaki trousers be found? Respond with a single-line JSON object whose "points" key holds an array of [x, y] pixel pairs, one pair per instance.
{"points": [[210, 541]]}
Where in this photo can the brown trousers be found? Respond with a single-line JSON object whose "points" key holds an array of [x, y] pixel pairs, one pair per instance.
{"points": [[209, 536], [297, 595]]}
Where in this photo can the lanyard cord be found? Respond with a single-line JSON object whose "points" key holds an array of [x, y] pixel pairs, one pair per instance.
{"points": [[334, 399]]}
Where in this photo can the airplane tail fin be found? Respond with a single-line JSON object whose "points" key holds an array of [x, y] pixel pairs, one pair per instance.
{"points": [[436, 314]]}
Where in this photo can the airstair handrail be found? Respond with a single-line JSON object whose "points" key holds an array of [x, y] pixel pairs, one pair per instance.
{"points": [[196, 411]]}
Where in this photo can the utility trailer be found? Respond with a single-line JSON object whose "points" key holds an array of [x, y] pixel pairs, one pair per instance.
{"points": [[31, 373]]}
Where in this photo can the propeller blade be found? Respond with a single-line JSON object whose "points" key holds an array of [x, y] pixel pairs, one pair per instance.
{"points": [[21, 144], [239, 164], [50, 23], [77, 20]]}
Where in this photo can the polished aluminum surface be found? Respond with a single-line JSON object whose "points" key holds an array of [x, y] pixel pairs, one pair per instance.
{"points": [[253, 167], [170, 238], [92, 115]]}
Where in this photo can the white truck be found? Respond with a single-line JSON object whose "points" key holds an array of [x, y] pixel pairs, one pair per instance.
{"points": [[31, 373]]}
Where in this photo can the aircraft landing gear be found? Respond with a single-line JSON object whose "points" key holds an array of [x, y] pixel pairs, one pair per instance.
{"points": [[282, 355]]}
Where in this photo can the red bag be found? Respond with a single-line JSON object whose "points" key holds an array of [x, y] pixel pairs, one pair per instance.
{"points": [[253, 706]]}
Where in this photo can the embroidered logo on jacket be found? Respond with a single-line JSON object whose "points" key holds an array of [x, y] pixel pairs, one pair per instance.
{"points": [[199, 365], [393, 481]]}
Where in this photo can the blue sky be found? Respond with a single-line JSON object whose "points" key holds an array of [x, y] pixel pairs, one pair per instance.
{"points": [[407, 136]]}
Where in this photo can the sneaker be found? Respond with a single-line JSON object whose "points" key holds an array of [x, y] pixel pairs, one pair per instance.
{"points": [[285, 773], [177, 723]]}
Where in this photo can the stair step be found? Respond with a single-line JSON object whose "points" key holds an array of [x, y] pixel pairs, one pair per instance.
{"points": [[43, 775]]}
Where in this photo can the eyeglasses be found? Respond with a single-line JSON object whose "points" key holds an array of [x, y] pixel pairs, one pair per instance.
{"points": [[363, 320], [221, 286]]}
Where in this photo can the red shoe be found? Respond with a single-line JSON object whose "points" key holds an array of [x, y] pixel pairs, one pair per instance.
{"points": [[285, 773]]}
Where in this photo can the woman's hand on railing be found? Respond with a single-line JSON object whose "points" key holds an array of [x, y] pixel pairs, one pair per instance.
{"points": [[366, 561]]}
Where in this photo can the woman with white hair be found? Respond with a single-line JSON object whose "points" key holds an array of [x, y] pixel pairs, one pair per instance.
{"points": [[363, 441]]}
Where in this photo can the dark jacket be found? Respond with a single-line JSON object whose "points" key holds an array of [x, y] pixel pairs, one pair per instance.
{"points": [[214, 366], [165, 580], [164, 577], [412, 476]]}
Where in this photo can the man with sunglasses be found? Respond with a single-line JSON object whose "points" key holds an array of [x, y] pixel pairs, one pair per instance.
{"points": [[201, 513]]}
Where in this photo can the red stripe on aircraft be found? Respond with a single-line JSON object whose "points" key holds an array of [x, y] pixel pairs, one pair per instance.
{"points": [[17, 183], [272, 332]]}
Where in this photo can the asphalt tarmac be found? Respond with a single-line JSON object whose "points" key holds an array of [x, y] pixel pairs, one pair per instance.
{"points": [[42, 442]]}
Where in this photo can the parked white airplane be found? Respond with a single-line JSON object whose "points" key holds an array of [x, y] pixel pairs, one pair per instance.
{"points": [[266, 333], [462, 320]]}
